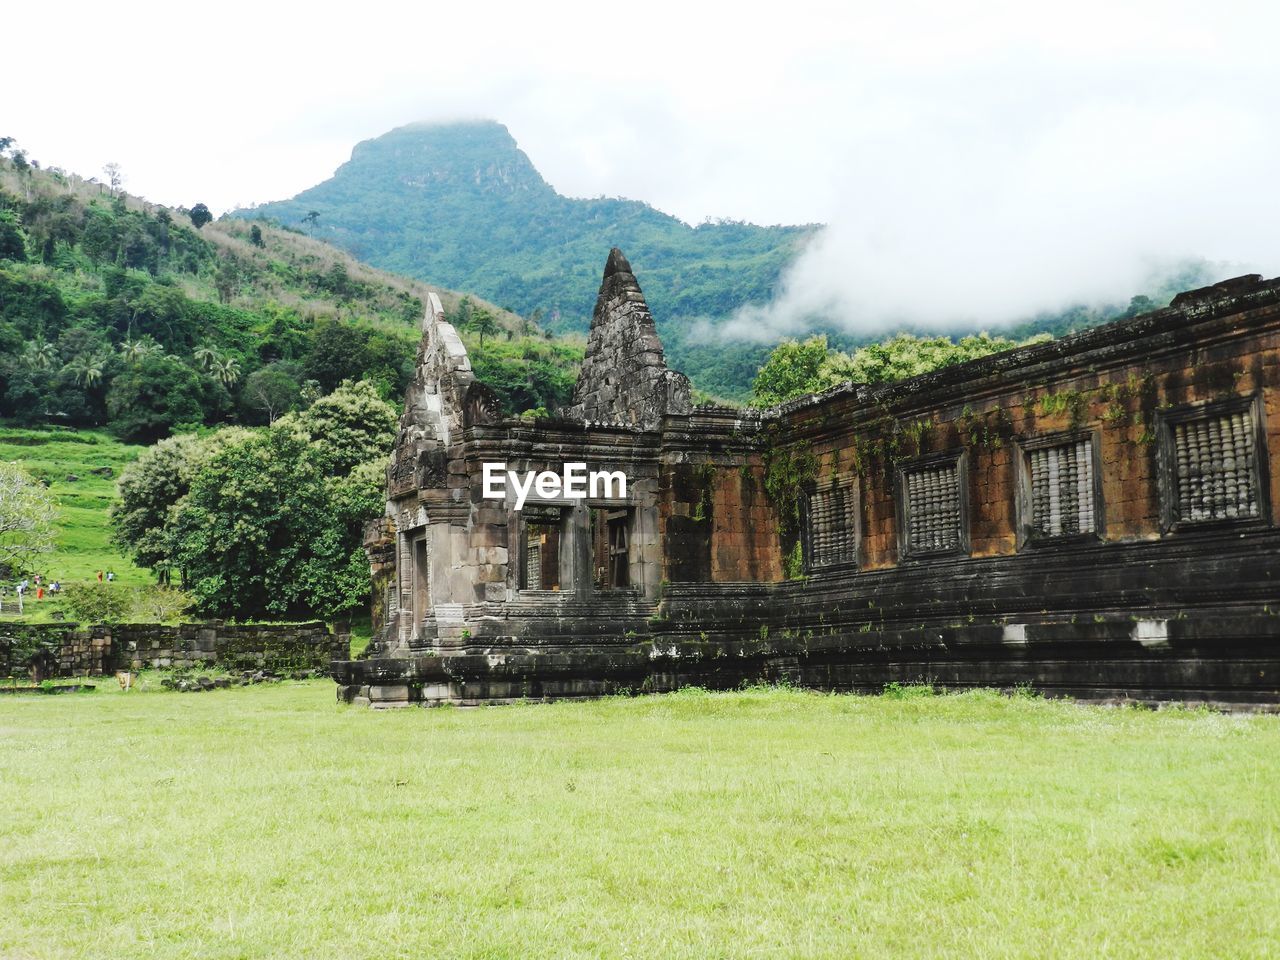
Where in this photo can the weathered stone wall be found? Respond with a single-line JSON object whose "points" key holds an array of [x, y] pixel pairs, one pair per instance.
{"points": [[1117, 388], [67, 650], [51, 650], [718, 524], [781, 543], [1216, 659], [380, 547]]}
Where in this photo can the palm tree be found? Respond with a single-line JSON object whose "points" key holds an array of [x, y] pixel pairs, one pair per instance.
{"points": [[86, 369], [207, 356], [39, 355], [135, 351], [227, 370]]}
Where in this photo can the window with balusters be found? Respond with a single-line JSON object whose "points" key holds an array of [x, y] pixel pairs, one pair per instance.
{"points": [[1060, 495], [1212, 467], [831, 529], [932, 508]]}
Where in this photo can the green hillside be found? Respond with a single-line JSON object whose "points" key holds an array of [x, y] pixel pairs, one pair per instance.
{"points": [[81, 468], [117, 312], [463, 201], [462, 204]]}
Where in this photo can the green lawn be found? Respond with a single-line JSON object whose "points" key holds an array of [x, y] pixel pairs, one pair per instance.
{"points": [[273, 822], [83, 545]]}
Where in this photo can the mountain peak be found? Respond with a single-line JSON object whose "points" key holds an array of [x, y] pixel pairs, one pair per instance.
{"points": [[472, 155]]}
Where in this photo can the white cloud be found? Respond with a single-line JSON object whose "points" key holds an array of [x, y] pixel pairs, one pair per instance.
{"points": [[975, 161]]}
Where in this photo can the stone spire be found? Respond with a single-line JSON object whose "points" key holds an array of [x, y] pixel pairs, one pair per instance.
{"points": [[624, 376]]}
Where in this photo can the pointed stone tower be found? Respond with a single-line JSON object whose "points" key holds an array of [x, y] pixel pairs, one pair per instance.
{"points": [[624, 378]]}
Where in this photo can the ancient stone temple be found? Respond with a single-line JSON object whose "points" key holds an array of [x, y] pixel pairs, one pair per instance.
{"points": [[1093, 516]]}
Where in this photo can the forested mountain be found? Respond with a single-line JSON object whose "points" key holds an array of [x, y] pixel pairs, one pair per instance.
{"points": [[461, 204], [462, 201], [117, 312]]}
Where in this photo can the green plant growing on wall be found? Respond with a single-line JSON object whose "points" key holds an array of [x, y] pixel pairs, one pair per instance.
{"points": [[989, 429], [705, 477], [787, 471], [914, 432], [1074, 403], [793, 565], [889, 440]]}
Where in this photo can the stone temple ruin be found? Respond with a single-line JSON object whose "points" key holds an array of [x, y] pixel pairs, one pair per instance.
{"points": [[1092, 516]]}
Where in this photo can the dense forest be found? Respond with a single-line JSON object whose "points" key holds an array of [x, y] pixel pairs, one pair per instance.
{"points": [[148, 320]]}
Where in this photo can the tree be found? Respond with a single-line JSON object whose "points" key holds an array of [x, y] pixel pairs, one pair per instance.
{"points": [[272, 391], [206, 356], [27, 516], [255, 236], [350, 426], [264, 532], [98, 602], [165, 313], [115, 176], [226, 371], [13, 242], [147, 400], [338, 352], [134, 351], [227, 280], [222, 366], [462, 314], [906, 356], [793, 369], [39, 355], [152, 487], [532, 322], [200, 215], [310, 220], [86, 369], [483, 322]]}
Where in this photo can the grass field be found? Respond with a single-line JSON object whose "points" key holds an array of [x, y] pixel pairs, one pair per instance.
{"points": [[272, 822], [83, 545]]}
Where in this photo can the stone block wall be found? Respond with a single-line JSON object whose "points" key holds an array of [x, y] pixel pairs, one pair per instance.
{"points": [[1115, 392], [68, 650], [42, 651], [1091, 515], [718, 524]]}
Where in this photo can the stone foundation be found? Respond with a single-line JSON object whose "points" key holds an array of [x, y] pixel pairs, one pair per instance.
{"points": [[1224, 659]]}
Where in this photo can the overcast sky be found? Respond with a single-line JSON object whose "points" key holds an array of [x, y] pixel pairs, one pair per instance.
{"points": [[975, 161]]}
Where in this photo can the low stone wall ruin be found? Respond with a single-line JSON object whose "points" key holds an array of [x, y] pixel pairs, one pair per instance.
{"points": [[44, 651]]}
